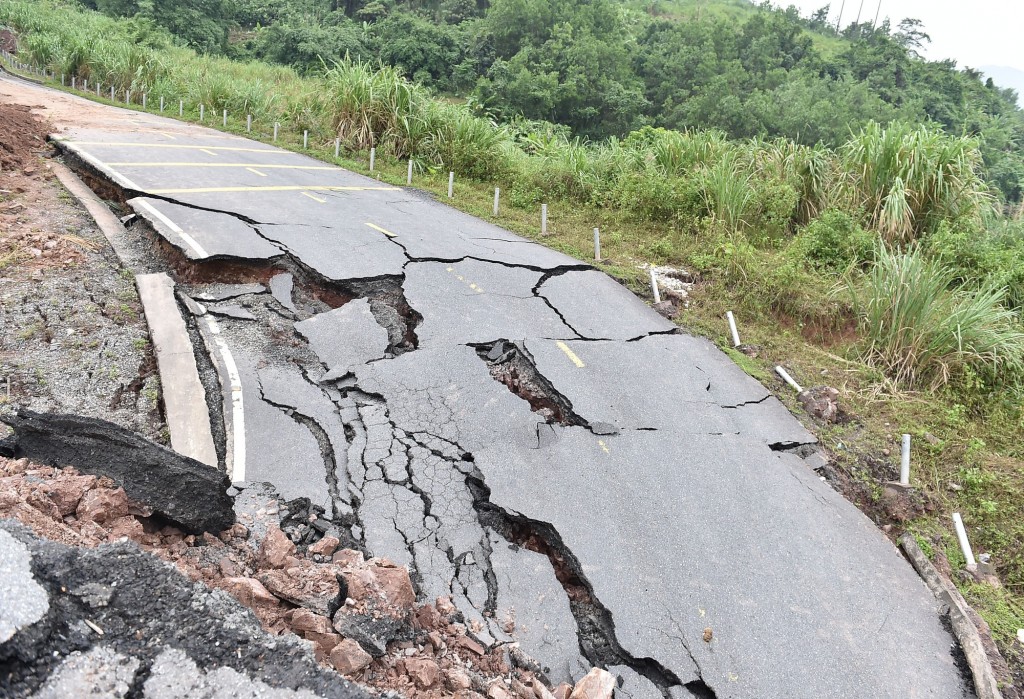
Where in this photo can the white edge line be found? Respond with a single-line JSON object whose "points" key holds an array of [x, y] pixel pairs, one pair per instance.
{"points": [[189, 240], [103, 167], [237, 404]]}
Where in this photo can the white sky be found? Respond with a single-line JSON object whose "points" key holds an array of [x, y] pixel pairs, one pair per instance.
{"points": [[973, 32]]}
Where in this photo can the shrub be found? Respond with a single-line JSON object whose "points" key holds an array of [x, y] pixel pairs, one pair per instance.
{"points": [[835, 241], [922, 330]]}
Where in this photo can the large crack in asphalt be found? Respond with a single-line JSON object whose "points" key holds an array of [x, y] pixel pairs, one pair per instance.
{"points": [[427, 466]]}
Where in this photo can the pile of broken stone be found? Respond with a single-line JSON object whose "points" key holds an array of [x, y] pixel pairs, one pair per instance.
{"points": [[360, 616]]}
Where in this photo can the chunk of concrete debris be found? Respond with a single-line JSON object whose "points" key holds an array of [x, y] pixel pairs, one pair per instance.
{"points": [[596, 684], [307, 585], [348, 657], [345, 337], [276, 548], [22, 600], [183, 490], [281, 289], [423, 671], [222, 292], [231, 310], [821, 402]]}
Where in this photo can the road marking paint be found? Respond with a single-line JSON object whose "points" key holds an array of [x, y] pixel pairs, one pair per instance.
{"points": [[265, 166], [604, 447], [378, 228], [570, 354], [103, 167], [179, 145], [307, 194], [278, 188], [256, 172], [237, 404], [207, 150], [472, 285], [164, 133], [189, 240]]}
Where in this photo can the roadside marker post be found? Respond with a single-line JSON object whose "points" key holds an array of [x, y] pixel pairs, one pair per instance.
{"points": [[276, 125], [451, 184], [111, 93], [905, 461], [373, 158], [784, 375], [965, 545], [161, 103], [732, 329], [337, 147], [543, 219], [202, 111], [128, 97], [597, 245], [248, 123], [225, 117], [654, 287], [85, 86], [62, 79], [497, 196], [97, 89], [408, 177], [305, 139], [73, 82], [181, 108], [143, 100]]}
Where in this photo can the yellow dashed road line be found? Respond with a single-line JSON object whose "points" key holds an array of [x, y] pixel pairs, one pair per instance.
{"points": [[256, 172], [570, 354], [604, 447], [178, 145], [307, 194], [472, 285], [266, 166], [278, 188], [207, 150], [381, 230]]}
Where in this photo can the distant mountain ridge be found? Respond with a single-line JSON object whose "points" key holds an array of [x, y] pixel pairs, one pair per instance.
{"points": [[1005, 76]]}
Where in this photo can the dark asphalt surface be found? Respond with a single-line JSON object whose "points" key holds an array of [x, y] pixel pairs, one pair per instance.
{"points": [[667, 493]]}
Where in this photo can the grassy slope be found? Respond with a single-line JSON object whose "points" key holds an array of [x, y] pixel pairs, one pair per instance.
{"points": [[961, 463]]}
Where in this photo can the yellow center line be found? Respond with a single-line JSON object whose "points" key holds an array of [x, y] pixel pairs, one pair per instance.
{"points": [[381, 230], [207, 150], [307, 194], [164, 133], [257, 172], [603, 446], [277, 188], [260, 165], [570, 354], [119, 144]]}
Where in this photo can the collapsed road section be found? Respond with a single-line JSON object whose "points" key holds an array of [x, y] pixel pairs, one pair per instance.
{"points": [[588, 485]]}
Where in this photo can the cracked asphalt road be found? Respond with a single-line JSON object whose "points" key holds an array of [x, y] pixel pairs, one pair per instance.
{"points": [[525, 434]]}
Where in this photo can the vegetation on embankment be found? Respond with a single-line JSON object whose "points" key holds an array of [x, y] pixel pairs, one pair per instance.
{"points": [[886, 266]]}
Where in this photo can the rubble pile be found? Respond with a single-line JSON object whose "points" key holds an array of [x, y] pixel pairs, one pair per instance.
{"points": [[360, 615]]}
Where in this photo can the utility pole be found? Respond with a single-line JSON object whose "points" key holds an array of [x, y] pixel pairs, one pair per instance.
{"points": [[878, 13], [858, 13], [839, 19]]}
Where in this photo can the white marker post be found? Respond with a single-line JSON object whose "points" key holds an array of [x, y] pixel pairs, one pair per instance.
{"points": [[788, 379], [248, 123], [597, 245], [337, 147], [128, 97], [161, 104], [97, 89], [543, 219], [225, 118], [62, 79], [497, 196], [965, 545], [451, 184], [408, 177], [275, 130], [85, 86], [654, 287], [73, 78], [305, 139], [202, 112], [732, 329], [111, 93], [905, 461], [144, 95], [373, 158]]}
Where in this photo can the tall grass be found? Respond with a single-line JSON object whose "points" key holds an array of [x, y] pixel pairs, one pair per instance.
{"points": [[922, 329]]}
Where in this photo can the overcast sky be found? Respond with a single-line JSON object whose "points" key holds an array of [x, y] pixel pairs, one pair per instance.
{"points": [[973, 32]]}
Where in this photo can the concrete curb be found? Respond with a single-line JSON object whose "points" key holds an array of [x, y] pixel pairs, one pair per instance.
{"points": [[966, 632], [188, 419]]}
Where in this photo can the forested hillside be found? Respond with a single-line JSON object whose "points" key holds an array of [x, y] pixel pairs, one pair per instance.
{"points": [[605, 68]]}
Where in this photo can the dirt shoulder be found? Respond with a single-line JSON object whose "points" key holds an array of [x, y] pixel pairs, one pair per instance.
{"points": [[75, 339]]}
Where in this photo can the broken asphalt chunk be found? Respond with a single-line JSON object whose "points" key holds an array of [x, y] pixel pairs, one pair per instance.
{"points": [[185, 491]]}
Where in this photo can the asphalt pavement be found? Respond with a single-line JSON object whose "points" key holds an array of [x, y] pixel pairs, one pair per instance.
{"points": [[527, 435]]}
